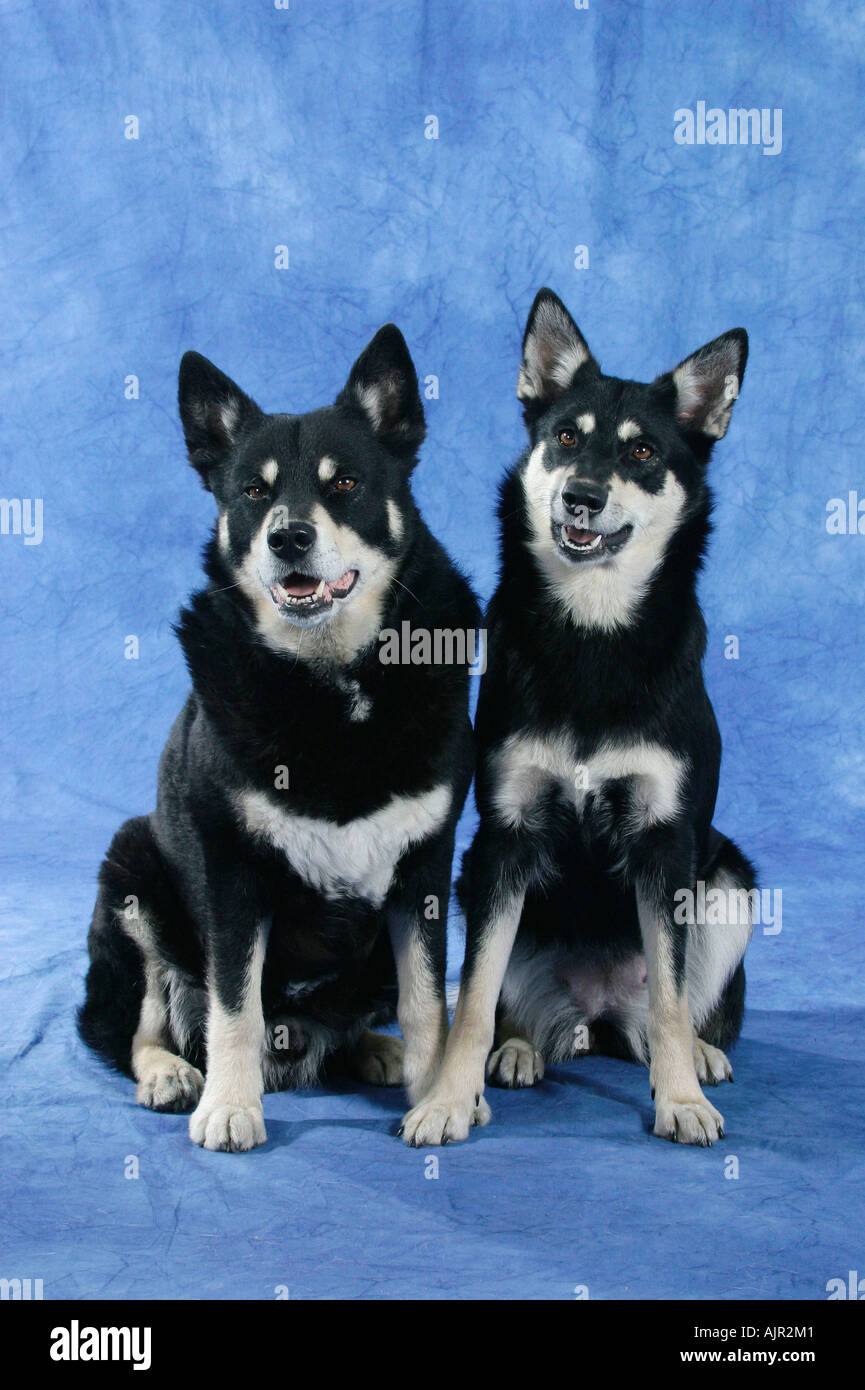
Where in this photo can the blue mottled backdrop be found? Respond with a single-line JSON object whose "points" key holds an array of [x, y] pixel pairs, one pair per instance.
{"points": [[432, 163]]}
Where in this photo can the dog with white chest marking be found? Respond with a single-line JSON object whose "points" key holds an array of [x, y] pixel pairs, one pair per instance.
{"points": [[291, 888], [598, 752]]}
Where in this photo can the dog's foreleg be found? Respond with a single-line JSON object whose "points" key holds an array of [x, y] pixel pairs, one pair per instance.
{"points": [[417, 913], [456, 1101], [682, 1112], [422, 1009], [496, 894], [229, 1115]]}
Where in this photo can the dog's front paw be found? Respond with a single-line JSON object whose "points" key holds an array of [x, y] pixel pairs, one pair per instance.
{"points": [[711, 1064], [692, 1121], [230, 1128], [443, 1119], [170, 1084], [516, 1063]]}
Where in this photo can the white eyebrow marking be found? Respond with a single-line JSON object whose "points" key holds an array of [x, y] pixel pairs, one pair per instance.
{"points": [[326, 468], [268, 471], [586, 422], [629, 429]]}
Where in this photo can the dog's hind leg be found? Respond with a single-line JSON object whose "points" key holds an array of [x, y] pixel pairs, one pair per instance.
{"points": [[124, 1015], [515, 1061], [165, 1081], [719, 1030], [377, 1059], [662, 860], [710, 1063], [419, 941], [716, 947]]}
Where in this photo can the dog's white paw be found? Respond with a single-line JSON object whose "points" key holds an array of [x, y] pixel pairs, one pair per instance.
{"points": [[377, 1059], [688, 1121], [230, 1128], [442, 1119], [516, 1063], [170, 1084], [711, 1064]]}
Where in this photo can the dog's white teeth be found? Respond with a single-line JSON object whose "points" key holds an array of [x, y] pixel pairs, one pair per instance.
{"points": [[595, 543], [319, 593]]}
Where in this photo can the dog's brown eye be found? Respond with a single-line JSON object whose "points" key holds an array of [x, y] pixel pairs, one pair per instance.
{"points": [[345, 484], [641, 452], [256, 491], [568, 438]]}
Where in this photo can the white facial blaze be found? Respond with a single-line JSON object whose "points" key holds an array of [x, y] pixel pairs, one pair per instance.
{"points": [[603, 594], [354, 621], [541, 485]]}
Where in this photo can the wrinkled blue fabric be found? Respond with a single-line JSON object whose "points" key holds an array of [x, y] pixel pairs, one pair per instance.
{"points": [[307, 128]]}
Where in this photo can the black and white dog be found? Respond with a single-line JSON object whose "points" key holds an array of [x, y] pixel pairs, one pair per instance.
{"points": [[598, 751], [292, 885]]}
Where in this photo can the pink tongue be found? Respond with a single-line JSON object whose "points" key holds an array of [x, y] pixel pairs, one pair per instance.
{"points": [[581, 537], [300, 588]]}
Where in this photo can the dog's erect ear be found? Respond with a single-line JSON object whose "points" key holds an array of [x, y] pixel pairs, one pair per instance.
{"points": [[554, 349], [214, 413], [707, 384], [383, 385]]}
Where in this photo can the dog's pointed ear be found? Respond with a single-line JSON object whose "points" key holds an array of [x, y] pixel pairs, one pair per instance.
{"points": [[707, 383], [554, 350], [214, 413], [383, 385]]}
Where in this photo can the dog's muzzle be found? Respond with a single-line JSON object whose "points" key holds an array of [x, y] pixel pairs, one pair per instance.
{"points": [[577, 522]]}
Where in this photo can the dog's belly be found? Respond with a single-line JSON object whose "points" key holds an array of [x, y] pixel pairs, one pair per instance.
{"points": [[594, 987], [357, 858], [557, 995], [604, 990]]}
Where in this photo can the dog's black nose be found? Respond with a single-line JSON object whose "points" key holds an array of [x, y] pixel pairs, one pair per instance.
{"points": [[580, 495], [294, 539]]}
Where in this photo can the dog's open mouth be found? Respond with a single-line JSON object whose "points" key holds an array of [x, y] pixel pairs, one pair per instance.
{"points": [[580, 544], [309, 593]]}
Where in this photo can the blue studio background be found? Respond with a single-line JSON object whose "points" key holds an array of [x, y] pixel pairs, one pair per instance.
{"points": [[307, 127]]}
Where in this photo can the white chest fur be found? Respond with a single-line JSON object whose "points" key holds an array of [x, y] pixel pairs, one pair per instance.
{"points": [[524, 764], [357, 858]]}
